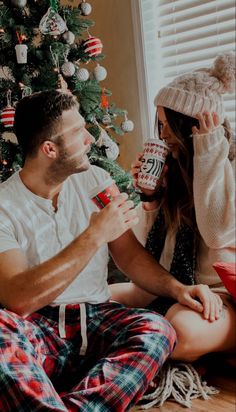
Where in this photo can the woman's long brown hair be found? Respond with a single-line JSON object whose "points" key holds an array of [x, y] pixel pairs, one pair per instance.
{"points": [[177, 202]]}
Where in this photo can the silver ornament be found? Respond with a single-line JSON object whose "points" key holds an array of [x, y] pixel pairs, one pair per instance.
{"points": [[127, 126], [82, 75], [19, 3], [69, 37], [86, 8], [100, 73], [68, 69], [106, 119]]}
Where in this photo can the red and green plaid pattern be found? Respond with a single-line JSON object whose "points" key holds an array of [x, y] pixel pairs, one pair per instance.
{"points": [[39, 371]]}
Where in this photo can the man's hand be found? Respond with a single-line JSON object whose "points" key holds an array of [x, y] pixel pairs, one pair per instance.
{"points": [[201, 299], [115, 219]]}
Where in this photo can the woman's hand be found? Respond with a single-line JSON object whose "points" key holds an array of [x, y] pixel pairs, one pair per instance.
{"points": [[207, 123], [201, 299]]}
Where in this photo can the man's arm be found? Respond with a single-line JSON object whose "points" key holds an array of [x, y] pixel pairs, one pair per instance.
{"points": [[25, 290], [131, 257], [151, 277]]}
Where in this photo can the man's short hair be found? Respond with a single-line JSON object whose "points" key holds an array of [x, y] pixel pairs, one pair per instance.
{"points": [[38, 116]]}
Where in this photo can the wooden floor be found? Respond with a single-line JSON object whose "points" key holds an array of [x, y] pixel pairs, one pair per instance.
{"points": [[223, 379]]}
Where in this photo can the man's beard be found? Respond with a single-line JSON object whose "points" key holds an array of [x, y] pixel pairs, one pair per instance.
{"points": [[66, 165]]}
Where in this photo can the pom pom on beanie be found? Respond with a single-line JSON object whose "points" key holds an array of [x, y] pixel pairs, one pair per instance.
{"points": [[224, 70]]}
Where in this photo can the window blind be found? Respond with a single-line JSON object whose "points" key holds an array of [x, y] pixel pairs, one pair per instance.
{"points": [[184, 35]]}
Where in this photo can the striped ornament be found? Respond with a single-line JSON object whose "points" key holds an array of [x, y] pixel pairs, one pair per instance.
{"points": [[7, 116], [93, 46]]}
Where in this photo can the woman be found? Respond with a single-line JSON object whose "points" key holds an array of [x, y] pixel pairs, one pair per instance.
{"points": [[188, 222]]}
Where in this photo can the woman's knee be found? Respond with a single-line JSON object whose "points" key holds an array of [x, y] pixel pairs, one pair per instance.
{"points": [[197, 336], [187, 334]]}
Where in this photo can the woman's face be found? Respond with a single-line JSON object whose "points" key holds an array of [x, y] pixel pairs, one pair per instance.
{"points": [[166, 133]]}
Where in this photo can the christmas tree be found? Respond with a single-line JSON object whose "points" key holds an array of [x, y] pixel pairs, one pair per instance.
{"points": [[43, 46]]}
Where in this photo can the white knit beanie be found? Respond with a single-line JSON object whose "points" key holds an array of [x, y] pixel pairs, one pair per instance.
{"points": [[201, 90]]}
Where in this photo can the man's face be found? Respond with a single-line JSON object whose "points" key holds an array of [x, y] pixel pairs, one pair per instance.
{"points": [[74, 145]]}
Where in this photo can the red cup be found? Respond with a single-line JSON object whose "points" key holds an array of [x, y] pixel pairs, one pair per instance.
{"points": [[102, 194]]}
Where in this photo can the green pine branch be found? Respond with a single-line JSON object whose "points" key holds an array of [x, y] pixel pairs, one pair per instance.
{"points": [[39, 74]]}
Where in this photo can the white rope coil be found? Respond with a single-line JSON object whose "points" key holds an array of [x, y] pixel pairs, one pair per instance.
{"points": [[180, 382]]}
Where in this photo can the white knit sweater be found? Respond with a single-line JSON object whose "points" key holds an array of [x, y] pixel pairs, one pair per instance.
{"points": [[214, 199]]}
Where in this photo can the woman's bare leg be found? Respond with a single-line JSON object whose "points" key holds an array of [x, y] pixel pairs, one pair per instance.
{"points": [[130, 295], [197, 336]]}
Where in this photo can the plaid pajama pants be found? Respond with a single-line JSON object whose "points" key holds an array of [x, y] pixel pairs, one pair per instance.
{"points": [[43, 371]]}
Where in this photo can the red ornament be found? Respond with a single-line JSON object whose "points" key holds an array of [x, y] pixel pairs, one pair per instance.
{"points": [[93, 46], [7, 116]]}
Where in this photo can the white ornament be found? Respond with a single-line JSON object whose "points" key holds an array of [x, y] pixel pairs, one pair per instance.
{"points": [[106, 119], [112, 151], [127, 125], [69, 37], [19, 3], [86, 8], [100, 73], [82, 75], [21, 53], [111, 148], [68, 69], [52, 23]]}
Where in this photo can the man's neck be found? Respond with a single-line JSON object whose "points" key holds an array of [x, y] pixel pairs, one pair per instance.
{"points": [[35, 179]]}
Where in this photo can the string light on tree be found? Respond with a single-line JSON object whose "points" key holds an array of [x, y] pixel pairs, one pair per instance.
{"points": [[2, 32], [62, 84]]}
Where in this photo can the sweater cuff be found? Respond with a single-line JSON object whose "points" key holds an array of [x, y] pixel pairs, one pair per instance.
{"points": [[147, 216], [205, 143]]}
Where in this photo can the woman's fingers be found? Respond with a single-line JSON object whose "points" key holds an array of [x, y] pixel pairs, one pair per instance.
{"points": [[136, 165], [207, 122], [216, 119]]}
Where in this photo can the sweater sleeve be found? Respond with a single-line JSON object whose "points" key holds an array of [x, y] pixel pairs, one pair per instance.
{"points": [[214, 189], [146, 220]]}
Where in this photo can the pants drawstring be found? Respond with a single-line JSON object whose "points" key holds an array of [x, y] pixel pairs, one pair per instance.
{"points": [[83, 325], [62, 321]]}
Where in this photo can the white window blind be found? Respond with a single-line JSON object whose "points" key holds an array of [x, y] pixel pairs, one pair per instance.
{"points": [[183, 35]]}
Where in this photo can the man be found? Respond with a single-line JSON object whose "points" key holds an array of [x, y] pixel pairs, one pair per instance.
{"points": [[64, 346]]}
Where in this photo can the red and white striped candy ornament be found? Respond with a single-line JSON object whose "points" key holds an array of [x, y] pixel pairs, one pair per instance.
{"points": [[93, 46], [7, 116], [8, 113]]}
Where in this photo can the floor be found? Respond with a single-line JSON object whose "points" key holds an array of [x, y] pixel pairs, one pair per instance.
{"points": [[223, 378]]}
